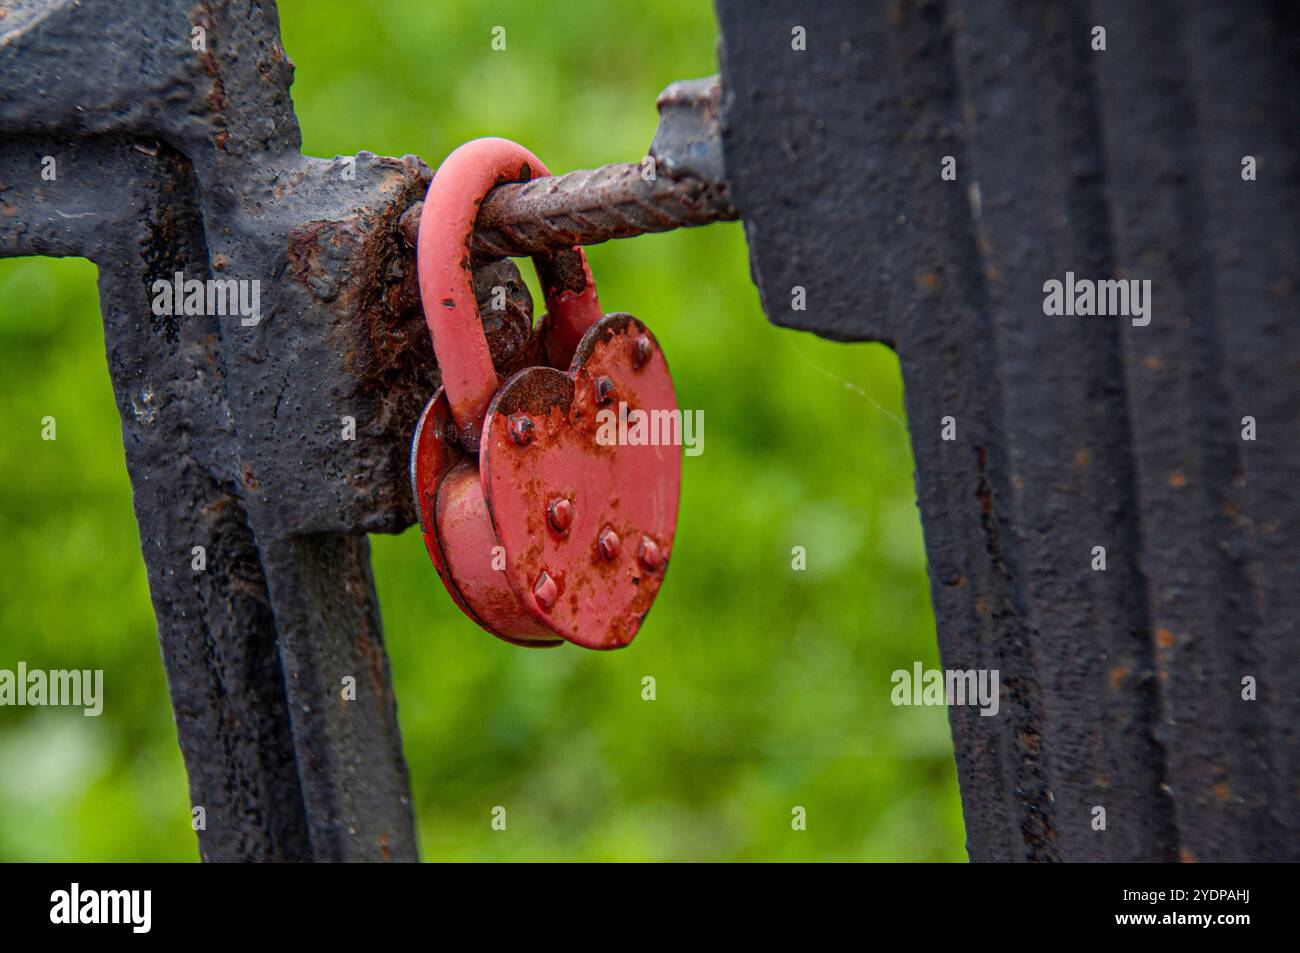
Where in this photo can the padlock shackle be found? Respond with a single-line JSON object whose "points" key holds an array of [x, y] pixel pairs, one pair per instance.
{"points": [[447, 279]]}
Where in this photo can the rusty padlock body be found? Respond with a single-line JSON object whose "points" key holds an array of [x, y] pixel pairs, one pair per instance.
{"points": [[540, 529]]}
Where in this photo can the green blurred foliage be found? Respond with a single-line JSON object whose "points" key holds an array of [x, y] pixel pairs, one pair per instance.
{"points": [[772, 685]]}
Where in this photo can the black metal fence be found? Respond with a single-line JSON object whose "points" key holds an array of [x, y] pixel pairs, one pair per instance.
{"points": [[913, 173]]}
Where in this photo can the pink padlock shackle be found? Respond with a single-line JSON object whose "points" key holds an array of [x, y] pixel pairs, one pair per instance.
{"points": [[446, 278]]}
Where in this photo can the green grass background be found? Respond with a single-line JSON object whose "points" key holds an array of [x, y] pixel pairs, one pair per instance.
{"points": [[772, 685]]}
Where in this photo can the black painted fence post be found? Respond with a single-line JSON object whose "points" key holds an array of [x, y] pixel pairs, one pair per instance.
{"points": [[1161, 694]]}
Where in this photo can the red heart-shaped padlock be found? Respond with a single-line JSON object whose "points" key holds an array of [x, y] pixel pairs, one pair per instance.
{"points": [[559, 526]]}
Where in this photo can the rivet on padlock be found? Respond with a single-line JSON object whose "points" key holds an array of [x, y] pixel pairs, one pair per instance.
{"points": [[523, 505]]}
